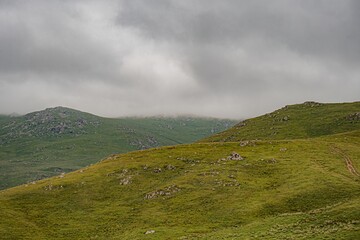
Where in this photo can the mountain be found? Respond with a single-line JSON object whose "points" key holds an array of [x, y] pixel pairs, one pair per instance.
{"points": [[46, 143], [310, 119], [306, 188]]}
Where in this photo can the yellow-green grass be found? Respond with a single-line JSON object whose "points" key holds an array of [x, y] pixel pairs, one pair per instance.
{"points": [[295, 121], [283, 189]]}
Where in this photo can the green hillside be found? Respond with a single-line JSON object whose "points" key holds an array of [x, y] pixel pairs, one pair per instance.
{"points": [[310, 119], [258, 189], [294, 189], [56, 140]]}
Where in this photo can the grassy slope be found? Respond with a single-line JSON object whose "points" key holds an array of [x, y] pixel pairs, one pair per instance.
{"points": [[31, 147], [294, 122], [303, 192], [284, 189]]}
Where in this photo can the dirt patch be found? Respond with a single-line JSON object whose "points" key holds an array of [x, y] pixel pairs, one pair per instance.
{"points": [[348, 161]]}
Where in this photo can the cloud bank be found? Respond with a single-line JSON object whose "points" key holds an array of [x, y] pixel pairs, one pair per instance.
{"points": [[224, 58]]}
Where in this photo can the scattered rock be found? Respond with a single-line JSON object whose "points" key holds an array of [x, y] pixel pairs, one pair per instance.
{"points": [[353, 117], [150, 232], [312, 104], [168, 191], [157, 170], [286, 118], [240, 125], [125, 181], [271, 161], [247, 143], [170, 167], [235, 156], [244, 143]]}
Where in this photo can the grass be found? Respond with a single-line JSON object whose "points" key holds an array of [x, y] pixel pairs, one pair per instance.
{"points": [[305, 192], [295, 121], [284, 188]]}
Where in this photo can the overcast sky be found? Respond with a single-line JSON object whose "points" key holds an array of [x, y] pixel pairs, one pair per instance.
{"points": [[221, 58]]}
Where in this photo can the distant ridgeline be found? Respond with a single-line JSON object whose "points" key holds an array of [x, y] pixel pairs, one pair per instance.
{"points": [[310, 119], [45, 143]]}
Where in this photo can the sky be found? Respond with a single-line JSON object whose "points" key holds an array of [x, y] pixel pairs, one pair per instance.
{"points": [[228, 58]]}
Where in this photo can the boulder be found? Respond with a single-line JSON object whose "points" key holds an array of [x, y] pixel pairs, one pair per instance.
{"points": [[235, 156]]}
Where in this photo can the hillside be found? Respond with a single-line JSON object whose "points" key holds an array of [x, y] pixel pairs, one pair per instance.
{"points": [[276, 189], [56, 140], [310, 119], [290, 189]]}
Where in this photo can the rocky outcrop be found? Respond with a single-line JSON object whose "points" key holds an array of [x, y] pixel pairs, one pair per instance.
{"points": [[235, 156], [312, 104], [51, 122], [353, 117]]}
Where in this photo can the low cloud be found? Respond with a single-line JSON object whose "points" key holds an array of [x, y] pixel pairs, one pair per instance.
{"points": [[216, 58]]}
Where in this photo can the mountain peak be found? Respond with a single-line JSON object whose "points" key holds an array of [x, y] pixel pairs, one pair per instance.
{"points": [[52, 122]]}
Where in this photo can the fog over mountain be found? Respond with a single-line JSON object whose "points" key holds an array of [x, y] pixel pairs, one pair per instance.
{"points": [[224, 58]]}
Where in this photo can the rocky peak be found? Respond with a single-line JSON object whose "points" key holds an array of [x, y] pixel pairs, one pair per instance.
{"points": [[52, 122]]}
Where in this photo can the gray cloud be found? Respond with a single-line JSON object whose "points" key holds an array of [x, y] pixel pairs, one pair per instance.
{"points": [[219, 58]]}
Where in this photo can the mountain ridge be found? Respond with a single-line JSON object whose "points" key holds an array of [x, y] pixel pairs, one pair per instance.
{"points": [[310, 119], [45, 143]]}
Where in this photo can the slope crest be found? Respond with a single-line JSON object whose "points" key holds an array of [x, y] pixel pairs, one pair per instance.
{"points": [[307, 120]]}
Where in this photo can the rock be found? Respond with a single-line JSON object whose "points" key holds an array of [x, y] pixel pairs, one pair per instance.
{"points": [[150, 232], [235, 156], [240, 125], [312, 104], [168, 191], [353, 117], [244, 143], [286, 118], [170, 167], [271, 161], [283, 149], [125, 181], [157, 170]]}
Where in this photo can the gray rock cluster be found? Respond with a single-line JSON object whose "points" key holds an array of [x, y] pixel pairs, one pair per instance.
{"points": [[235, 156], [146, 143], [312, 104], [167, 191], [353, 117]]}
